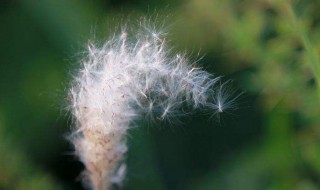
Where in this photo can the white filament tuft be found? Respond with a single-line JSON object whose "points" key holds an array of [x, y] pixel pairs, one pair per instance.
{"points": [[123, 79]]}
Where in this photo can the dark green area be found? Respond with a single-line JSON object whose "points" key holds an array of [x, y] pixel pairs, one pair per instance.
{"points": [[269, 48]]}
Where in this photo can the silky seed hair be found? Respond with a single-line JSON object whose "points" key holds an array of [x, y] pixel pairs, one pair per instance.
{"points": [[130, 75]]}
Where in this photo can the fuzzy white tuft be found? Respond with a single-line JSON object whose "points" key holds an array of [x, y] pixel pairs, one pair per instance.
{"points": [[126, 78]]}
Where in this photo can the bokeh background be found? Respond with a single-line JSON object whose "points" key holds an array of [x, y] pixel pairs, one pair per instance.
{"points": [[269, 48]]}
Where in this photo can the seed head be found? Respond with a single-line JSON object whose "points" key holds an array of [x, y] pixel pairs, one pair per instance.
{"points": [[130, 76]]}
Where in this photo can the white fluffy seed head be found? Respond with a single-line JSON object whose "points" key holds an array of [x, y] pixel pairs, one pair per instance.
{"points": [[129, 76]]}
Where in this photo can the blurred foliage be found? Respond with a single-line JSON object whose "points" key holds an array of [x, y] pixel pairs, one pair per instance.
{"points": [[269, 48]]}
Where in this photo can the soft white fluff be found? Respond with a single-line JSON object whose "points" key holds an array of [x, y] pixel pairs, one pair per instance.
{"points": [[125, 78]]}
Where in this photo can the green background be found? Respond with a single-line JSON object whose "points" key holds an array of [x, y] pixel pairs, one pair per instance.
{"points": [[269, 48]]}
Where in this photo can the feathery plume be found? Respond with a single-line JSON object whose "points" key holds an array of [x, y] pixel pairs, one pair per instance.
{"points": [[125, 78]]}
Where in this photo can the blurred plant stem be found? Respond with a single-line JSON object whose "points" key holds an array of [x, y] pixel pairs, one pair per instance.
{"points": [[298, 25]]}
